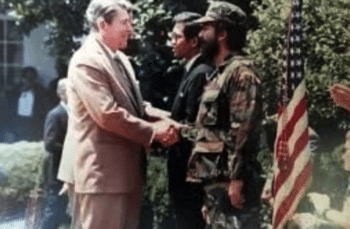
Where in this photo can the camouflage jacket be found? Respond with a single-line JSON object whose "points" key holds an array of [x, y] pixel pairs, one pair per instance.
{"points": [[228, 124]]}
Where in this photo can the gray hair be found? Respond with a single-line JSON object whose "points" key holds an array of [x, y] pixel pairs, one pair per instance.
{"points": [[108, 9], [62, 88]]}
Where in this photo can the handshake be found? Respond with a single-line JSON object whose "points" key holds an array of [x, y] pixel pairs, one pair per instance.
{"points": [[167, 133]]}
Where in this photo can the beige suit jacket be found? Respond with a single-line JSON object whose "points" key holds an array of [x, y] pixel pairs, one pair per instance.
{"points": [[106, 128]]}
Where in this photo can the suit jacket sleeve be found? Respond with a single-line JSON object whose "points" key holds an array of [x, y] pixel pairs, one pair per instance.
{"points": [[53, 133], [93, 87], [155, 113]]}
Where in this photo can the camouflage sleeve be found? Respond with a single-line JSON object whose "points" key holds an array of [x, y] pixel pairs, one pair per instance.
{"points": [[244, 109]]}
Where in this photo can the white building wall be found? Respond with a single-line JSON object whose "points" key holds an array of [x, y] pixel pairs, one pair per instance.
{"points": [[36, 54]]}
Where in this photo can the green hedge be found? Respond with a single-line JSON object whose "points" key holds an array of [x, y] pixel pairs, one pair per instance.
{"points": [[23, 165], [156, 193]]}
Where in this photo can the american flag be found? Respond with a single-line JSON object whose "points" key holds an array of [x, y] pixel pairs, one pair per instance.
{"points": [[293, 170]]}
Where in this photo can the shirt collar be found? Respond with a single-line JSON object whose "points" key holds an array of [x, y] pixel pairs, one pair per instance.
{"points": [[190, 63], [64, 106], [220, 69], [227, 60]]}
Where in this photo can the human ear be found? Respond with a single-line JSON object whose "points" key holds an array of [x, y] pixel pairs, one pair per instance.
{"points": [[194, 42], [222, 35], [101, 24]]}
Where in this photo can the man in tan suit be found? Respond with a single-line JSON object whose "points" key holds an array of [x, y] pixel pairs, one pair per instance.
{"points": [[109, 124]]}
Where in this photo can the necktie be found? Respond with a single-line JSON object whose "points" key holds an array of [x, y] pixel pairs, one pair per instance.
{"points": [[131, 84]]}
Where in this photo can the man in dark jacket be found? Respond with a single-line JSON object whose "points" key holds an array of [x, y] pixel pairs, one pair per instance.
{"points": [[54, 134], [30, 107], [186, 197]]}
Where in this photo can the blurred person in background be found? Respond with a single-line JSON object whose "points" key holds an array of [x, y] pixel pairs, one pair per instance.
{"points": [[55, 130], [31, 107]]}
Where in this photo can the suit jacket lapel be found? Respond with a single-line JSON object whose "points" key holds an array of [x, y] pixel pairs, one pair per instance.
{"points": [[134, 83], [118, 70], [187, 74], [185, 79], [128, 84], [195, 63]]}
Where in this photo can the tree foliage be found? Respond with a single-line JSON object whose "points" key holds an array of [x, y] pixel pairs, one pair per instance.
{"points": [[63, 18], [65, 21], [326, 25]]}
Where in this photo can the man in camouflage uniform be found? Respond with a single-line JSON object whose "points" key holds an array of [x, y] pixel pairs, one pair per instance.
{"points": [[228, 124]]}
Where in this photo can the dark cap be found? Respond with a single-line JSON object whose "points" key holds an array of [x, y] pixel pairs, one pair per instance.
{"points": [[223, 11]]}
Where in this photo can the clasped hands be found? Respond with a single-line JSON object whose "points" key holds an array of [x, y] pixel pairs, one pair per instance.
{"points": [[167, 132]]}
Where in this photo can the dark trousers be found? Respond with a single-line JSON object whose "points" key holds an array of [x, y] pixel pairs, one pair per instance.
{"points": [[187, 203], [186, 198], [55, 209]]}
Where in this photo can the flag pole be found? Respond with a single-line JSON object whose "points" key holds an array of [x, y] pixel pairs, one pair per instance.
{"points": [[292, 157]]}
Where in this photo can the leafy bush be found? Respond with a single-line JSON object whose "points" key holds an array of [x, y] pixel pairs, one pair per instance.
{"points": [[153, 56], [156, 192], [23, 166], [330, 177]]}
